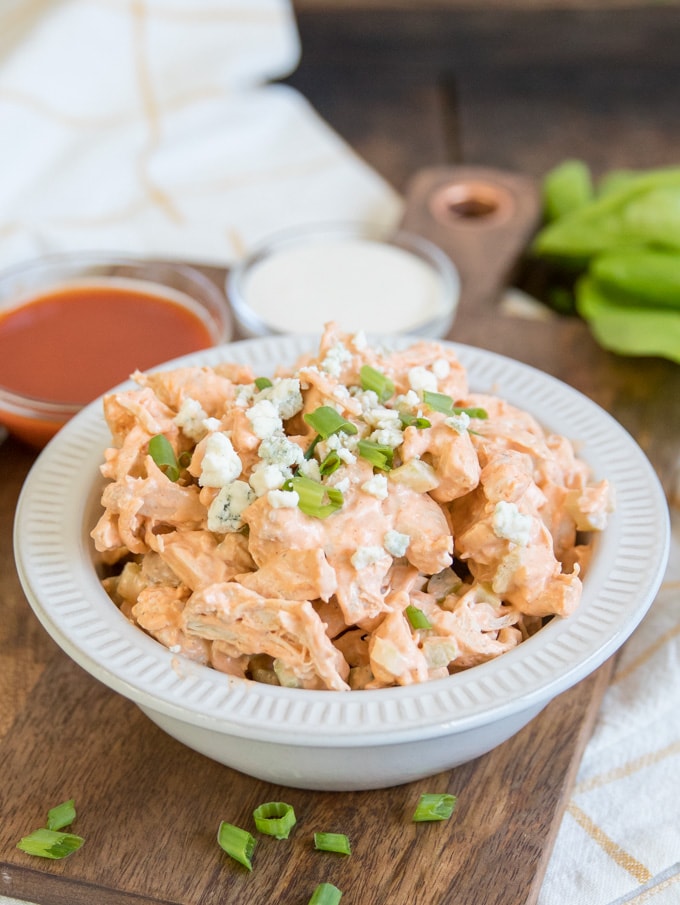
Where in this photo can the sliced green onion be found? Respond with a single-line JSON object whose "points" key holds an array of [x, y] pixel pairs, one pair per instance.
{"points": [[309, 452], [332, 842], [62, 815], [373, 380], [417, 618], [161, 451], [331, 463], [325, 894], [434, 807], [440, 402], [315, 499], [326, 421], [50, 844], [378, 454], [262, 383], [275, 818], [237, 843], [471, 412], [408, 420]]}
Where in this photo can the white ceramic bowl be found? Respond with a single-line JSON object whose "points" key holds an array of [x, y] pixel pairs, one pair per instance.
{"points": [[356, 739]]}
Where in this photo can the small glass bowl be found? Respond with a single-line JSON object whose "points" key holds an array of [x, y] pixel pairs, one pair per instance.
{"points": [[34, 419], [299, 279]]}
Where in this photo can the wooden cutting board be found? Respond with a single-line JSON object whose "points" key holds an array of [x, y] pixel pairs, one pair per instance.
{"points": [[149, 808]]}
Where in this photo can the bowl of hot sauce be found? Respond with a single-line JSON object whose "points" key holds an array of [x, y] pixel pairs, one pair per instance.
{"points": [[73, 325]]}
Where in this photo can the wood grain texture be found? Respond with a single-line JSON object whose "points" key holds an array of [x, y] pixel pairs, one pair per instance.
{"points": [[514, 86], [452, 7], [149, 810]]}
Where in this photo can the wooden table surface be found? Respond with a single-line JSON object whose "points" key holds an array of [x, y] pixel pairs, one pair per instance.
{"points": [[391, 89]]}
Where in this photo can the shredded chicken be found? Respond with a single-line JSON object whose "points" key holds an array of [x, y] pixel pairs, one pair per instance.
{"points": [[428, 530]]}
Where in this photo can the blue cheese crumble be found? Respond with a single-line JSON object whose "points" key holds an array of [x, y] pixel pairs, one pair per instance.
{"points": [[366, 556], [224, 513], [511, 524], [376, 486], [420, 379], [396, 543], [459, 423], [284, 395], [193, 420], [221, 463], [283, 499], [336, 357], [264, 419]]}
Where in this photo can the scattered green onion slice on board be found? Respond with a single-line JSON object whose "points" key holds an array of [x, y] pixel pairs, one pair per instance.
{"points": [[371, 379], [275, 818], [434, 806], [262, 383], [332, 842], [237, 843], [325, 894], [161, 451], [62, 815], [417, 618], [52, 844]]}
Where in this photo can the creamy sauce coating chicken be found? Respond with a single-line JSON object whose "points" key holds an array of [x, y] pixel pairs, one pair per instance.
{"points": [[422, 530]]}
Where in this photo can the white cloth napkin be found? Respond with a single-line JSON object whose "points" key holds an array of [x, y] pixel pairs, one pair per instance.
{"points": [[148, 126], [619, 841]]}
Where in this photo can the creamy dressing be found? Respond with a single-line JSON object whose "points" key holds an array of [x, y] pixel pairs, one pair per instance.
{"points": [[369, 285], [320, 599]]}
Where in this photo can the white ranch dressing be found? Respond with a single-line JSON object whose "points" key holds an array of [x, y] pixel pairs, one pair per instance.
{"points": [[360, 283]]}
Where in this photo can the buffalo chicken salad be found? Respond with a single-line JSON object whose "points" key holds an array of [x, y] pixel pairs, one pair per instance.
{"points": [[359, 520]]}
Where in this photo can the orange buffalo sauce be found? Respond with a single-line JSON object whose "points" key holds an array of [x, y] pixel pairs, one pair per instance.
{"points": [[73, 343]]}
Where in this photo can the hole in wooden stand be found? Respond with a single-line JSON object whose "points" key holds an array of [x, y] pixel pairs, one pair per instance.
{"points": [[471, 204]]}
